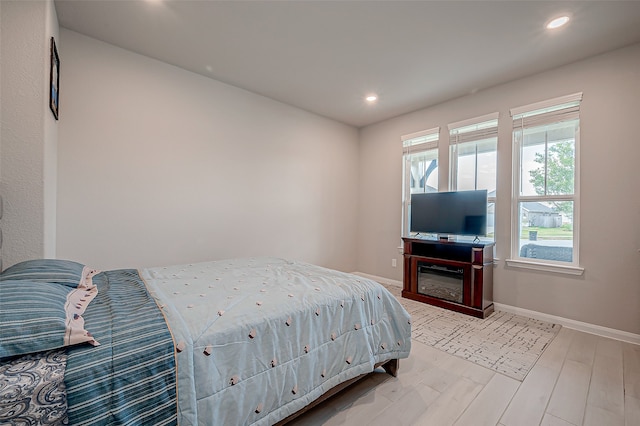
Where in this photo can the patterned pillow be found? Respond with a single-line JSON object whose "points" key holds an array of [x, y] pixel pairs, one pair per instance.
{"points": [[32, 390], [39, 316], [65, 272]]}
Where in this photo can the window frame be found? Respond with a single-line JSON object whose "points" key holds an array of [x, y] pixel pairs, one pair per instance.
{"points": [[468, 131], [432, 137], [549, 112]]}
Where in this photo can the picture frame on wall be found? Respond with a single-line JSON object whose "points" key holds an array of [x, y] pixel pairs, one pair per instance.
{"points": [[54, 80]]}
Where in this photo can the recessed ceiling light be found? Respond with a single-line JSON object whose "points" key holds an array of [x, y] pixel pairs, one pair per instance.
{"points": [[557, 22], [371, 98]]}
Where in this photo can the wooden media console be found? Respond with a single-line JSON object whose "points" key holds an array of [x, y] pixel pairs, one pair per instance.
{"points": [[452, 275]]}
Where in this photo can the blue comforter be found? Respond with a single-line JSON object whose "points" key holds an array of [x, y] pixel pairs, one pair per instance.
{"points": [[259, 339]]}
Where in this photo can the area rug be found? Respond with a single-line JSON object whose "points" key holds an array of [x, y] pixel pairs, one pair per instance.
{"points": [[504, 342]]}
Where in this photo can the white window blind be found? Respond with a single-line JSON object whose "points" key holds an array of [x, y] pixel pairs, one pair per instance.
{"points": [[561, 109], [420, 141], [475, 129]]}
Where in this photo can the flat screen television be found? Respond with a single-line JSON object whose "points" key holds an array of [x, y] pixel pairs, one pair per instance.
{"points": [[452, 213]]}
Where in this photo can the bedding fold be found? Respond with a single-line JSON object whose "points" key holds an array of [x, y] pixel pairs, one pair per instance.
{"points": [[131, 377]]}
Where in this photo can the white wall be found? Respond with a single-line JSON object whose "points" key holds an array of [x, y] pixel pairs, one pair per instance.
{"points": [[608, 294], [29, 131], [158, 165]]}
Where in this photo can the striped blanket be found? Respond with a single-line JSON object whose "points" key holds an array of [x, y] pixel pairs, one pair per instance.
{"points": [[131, 377]]}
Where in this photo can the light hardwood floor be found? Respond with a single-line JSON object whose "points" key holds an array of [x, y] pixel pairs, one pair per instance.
{"points": [[580, 379]]}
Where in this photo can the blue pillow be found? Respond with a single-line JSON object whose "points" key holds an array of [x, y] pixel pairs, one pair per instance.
{"points": [[65, 272], [39, 316]]}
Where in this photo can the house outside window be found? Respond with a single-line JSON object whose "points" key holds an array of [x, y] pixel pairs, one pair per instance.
{"points": [[545, 210], [473, 157], [420, 168]]}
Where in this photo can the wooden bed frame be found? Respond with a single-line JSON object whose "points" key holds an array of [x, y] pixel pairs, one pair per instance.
{"points": [[390, 367]]}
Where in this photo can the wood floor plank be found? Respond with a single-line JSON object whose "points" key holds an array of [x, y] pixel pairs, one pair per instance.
{"points": [[549, 420], [606, 389], [632, 384], [610, 348], [405, 410], [631, 365], [596, 416], [493, 399], [450, 404], [631, 355], [364, 410], [411, 372], [631, 411], [396, 389], [554, 355], [478, 373], [583, 348], [444, 374], [569, 397], [528, 404]]}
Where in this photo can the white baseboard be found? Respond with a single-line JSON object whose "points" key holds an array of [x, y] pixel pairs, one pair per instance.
{"points": [[381, 280], [565, 322], [572, 324]]}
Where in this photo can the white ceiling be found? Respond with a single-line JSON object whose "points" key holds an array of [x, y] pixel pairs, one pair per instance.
{"points": [[326, 56]]}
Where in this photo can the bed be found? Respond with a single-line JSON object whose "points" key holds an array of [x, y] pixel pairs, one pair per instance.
{"points": [[232, 342]]}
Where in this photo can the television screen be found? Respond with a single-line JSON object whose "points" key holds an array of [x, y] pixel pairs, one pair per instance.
{"points": [[454, 213]]}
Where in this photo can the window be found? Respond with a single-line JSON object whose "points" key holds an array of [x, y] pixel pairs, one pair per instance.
{"points": [[420, 168], [546, 189], [473, 159]]}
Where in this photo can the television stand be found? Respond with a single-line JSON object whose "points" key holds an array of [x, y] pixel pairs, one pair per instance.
{"points": [[452, 275]]}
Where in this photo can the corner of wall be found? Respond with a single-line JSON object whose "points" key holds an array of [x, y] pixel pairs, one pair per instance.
{"points": [[29, 133], [50, 163]]}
